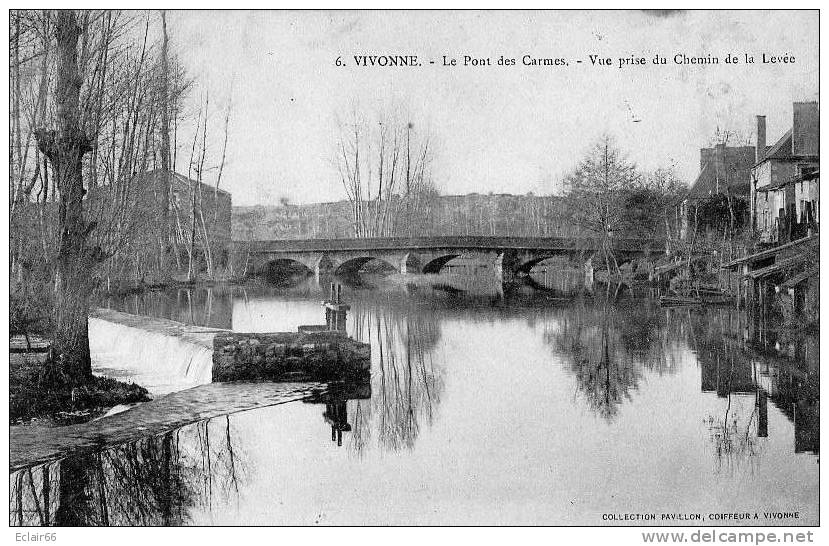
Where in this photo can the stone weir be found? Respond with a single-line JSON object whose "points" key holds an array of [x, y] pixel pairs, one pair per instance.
{"points": [[290, 356], [315, 353]]}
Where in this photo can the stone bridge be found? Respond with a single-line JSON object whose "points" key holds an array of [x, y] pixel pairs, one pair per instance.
{"points": [[508, 256]]}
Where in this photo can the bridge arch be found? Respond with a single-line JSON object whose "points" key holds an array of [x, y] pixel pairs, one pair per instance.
{"points": [[352, 266], [281, 269], [436, 264]]}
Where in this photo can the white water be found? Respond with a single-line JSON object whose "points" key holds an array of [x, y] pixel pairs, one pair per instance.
{"points": [[159, 362]]}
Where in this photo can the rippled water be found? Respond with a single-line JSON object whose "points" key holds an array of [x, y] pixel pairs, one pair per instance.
{"points": [[483, 408]]}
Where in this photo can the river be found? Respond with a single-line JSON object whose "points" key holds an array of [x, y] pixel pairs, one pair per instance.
{"points": [[531, 407]]}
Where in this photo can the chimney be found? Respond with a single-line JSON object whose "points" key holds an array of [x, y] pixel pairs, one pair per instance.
{"points": [[761, 139]]}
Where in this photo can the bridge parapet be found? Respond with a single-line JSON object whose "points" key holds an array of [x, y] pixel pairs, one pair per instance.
{"points": [[452, 242]]}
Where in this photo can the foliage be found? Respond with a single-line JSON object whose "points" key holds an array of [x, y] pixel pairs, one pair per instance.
{"points": [[608, 197], [31, 307], [596, 191], [92, 98], [715, 213], [471, 214]]}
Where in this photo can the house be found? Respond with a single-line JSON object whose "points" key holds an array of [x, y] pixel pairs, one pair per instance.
{"points": [[142, 202], [725, 171], [785, 196]]}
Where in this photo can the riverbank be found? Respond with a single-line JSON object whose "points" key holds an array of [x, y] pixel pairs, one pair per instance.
{"points": [[32, 398], [129, 288]]}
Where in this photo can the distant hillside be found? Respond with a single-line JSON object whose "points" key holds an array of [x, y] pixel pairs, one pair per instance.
{"points": [[471, 214]]}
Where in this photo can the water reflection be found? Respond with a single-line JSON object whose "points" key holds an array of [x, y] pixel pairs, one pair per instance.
{"points": [[210, 306], [477, 402], [608, 341], [746, 362], [336, 412], [158, 480], [607, 344], [406, 383]]}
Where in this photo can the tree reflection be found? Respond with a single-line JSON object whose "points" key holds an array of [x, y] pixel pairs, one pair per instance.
{"points": [[406, 383], [154, 481], [734, 436], [204, 306], [607, 344], [33, 498]]}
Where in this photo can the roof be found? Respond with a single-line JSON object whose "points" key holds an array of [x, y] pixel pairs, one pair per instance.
{"points": [[667, 268], [157, 174], [737, 163], [800, 277], [777, 267], [782, 149], [814, 239]]}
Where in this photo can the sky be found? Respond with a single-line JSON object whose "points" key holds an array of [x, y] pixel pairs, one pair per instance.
{"points": [[498, 129]]}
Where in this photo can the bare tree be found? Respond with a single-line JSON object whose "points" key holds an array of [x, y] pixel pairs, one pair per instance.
{"points": [[165, 142], [385, 168], [88, 101], [665, 188]]}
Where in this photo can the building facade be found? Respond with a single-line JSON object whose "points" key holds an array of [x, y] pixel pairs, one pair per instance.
{"points": [[199, 216], [785, 180]]}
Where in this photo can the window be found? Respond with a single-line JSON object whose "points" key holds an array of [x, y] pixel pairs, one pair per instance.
{"points": [[806, 169]]}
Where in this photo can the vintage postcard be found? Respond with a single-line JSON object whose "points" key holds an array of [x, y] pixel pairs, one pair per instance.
{"points": [[415, 268]]}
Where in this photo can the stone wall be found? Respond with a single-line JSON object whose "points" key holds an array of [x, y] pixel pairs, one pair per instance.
{"points": [[289, 356]]}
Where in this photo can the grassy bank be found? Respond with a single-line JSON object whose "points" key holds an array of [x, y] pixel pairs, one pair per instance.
{"points": [[33, 397]]}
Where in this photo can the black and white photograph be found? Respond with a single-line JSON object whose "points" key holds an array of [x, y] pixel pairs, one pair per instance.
{"points": [[421, 268]]}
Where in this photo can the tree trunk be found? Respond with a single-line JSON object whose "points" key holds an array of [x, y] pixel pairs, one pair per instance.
{"points": [[75, 499], [165, 146], [65, 148]]}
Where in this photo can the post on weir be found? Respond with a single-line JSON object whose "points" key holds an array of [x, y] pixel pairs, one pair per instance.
{"points": [[335, 311]]}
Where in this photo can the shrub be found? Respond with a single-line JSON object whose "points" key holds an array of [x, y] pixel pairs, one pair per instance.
{"points": [[31, 307]]}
